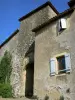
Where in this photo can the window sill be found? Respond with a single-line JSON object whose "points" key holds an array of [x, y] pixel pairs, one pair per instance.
{"points": [[63, 74]]}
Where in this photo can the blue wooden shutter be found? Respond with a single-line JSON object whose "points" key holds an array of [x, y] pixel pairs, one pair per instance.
{"points": [[67, 62], [52, 66]]}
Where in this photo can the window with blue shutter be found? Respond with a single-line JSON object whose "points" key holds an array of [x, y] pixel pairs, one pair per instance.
{"points": [[67, 62], [61, 64], [52, 66]]}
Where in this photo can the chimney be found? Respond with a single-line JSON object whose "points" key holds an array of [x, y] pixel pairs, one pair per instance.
{"points": [[71, 3]]}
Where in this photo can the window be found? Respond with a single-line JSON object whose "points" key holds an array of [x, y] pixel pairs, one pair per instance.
{"points": [[60, 64], [62, 24]]}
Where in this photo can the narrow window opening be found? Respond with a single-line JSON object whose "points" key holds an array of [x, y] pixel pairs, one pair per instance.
{"points": [[61, 64]]}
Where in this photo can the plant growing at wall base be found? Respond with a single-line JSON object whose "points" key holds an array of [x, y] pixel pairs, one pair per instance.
{"points": [[5, 68], [61, 97], [5, 73], [5, 90], [46, 97]]}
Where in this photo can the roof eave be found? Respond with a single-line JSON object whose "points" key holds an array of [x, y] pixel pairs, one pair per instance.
{"points": [[53, 19], [39, 8], [71, 3], [9, 38]]}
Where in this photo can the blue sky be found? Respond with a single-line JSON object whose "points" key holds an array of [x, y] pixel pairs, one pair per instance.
{"points": [[12, 10]]}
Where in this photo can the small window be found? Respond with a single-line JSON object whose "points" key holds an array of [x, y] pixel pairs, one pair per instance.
{"points": [[60, 64], [62, 24]]}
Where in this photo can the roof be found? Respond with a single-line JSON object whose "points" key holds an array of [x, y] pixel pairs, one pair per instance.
{"points": [[71, 3], [48, 3], [42, 25], [66, 12], [8, 39]]}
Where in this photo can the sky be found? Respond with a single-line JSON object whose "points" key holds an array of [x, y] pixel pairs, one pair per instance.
{"points": [[12, 10]]}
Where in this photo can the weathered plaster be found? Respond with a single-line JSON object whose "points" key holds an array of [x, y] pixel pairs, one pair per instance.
{"points": [[19, 45], [47, 45]]}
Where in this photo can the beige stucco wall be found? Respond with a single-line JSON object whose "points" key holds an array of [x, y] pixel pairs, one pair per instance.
{"points": [[27, 37], [47, 45], [19, 45]]}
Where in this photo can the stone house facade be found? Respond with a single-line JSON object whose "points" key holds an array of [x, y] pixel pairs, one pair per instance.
{"points": [[43, 53]]}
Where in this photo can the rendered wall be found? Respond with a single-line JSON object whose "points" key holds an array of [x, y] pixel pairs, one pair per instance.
{"points": [[19, 45], [47, 45]]}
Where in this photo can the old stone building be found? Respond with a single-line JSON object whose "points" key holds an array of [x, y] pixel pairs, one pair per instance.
{"points": [[43, 53]]}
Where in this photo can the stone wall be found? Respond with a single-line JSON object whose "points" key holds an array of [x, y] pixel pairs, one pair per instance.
{"points": [[19, 45], [47, 45], [11, 46], [26, 37]]}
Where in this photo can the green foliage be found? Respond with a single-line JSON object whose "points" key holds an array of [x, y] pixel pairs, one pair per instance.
{"points": [[5, 90], [5, 68], [5, 72], [46, 97], [62, 97]]}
